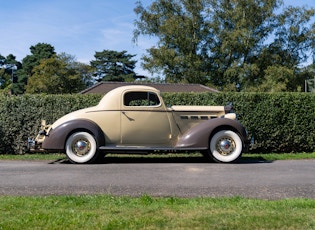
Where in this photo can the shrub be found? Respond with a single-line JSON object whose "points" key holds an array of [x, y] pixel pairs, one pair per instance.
{"points": [[20, 116], [278, 122]]}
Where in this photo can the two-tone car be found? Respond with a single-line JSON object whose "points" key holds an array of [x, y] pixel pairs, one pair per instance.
{"points": [[134, 119]]}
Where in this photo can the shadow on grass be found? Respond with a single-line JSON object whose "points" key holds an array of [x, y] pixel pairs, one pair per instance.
{"points": [[148, 159]]}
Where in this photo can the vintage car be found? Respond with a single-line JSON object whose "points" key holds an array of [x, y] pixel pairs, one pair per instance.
{"points": [[134, 119]]}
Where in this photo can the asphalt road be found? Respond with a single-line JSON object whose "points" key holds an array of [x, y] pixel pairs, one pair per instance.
{"points": [[255, 178]]}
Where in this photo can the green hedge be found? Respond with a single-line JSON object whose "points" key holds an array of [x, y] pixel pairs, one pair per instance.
{"points": [[277, 122], [20, 116]]}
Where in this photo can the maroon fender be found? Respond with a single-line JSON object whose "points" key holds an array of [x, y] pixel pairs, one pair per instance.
{"points": [[199, 135], [56, 138]]}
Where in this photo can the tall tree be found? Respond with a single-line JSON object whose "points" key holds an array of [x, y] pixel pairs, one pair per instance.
{"points": [[112, 65], [182, 29], [84, 70], [39, 52], [293, 44], [54, 76], [240, 28], [294, 35], [224, 42]]}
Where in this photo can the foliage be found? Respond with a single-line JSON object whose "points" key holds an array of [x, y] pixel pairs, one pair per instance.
{"points": [[227, 43], [146, 212], [9, 67], [244, 45], [44, 71], [112, 65], [20, 116], [277, 122], [181, 29], [308, 73], [55, 75], [277, 79], [38, 52]]}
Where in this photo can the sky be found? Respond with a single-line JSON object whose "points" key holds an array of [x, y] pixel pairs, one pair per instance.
{"points": [[77, 27]]}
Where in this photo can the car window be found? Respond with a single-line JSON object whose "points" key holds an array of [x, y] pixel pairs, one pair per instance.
{"points": [[141, 99]]}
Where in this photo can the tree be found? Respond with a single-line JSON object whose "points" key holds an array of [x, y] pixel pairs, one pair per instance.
{"points": [[38, 52], [240, 29], [181, 28], [54, 76], [294, 35], [307, 74], [112, 65], [277, 79], [2, 71], [85, 71], [224, 42], [293, 43], [9, 67]]}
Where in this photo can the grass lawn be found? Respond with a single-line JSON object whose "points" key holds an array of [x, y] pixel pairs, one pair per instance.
{"points": [[108, 212]]}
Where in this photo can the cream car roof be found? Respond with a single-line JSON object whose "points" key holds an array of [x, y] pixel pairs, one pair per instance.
{"points": [[112, 100]]}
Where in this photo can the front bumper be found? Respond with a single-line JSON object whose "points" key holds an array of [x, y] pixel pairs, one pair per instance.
{"points": [[30, 144], [35, 145]]}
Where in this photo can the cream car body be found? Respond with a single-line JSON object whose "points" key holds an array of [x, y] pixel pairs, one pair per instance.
{"points": [[135, 119]]}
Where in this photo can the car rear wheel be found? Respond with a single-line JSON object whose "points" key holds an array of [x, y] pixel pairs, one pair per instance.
{"points": [[81, 148], [225, 146]]}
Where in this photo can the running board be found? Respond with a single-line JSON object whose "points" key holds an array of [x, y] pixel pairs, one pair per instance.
{"points": [[147, 149]]}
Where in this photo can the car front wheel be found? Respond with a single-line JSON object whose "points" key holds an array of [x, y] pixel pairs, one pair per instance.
{"points": [[81, 148], [226, 146]]}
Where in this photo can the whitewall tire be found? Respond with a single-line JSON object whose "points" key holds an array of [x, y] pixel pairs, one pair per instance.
{"points": [[81, 148], [225, 146]]}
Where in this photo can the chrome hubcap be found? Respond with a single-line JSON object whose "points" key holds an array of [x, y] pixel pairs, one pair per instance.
{"points": [[225, 146], [81, 147]]}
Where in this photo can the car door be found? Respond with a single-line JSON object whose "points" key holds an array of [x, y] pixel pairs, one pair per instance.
{"points": [[144, 120]]}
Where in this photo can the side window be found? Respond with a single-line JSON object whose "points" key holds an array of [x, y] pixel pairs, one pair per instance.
{"points": [[141, 99]]}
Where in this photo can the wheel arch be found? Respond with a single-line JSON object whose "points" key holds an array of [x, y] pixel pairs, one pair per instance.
{"points": [[201, 134], [57, 137]]}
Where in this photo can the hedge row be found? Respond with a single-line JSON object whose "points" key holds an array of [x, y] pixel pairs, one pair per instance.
{"points": [[20, 116], [277, 122]]}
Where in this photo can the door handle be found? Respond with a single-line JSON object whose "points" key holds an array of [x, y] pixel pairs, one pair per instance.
{"points": [[129, 118]]}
